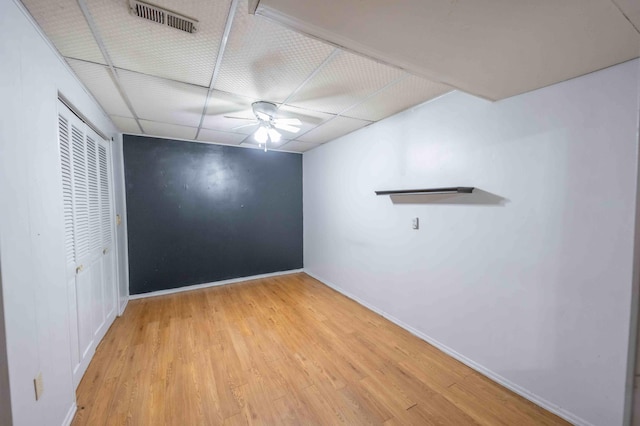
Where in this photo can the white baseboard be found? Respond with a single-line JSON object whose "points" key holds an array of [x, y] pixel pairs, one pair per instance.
{"points": [[547, 405], [211, 284], [70, 414], [123, 306]]}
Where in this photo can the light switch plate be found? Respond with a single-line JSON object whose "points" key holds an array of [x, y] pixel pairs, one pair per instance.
{"points": [[415, 223], [39, 386]]}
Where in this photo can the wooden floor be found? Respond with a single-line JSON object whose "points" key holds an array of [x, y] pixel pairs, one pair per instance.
{"points": [[284, 350]]}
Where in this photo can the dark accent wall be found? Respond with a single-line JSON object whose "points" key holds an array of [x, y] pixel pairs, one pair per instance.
{"points": [[198, 213]]}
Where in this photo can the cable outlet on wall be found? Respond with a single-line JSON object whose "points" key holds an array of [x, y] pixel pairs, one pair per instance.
{"points": [[415, 223], [38, 384]]}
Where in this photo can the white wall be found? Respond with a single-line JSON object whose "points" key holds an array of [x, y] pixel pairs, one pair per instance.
{"points": [[5, 397], [530, 280], [31, 233], [633, 375]]}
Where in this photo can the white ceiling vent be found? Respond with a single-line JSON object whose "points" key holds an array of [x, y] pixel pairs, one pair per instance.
{"points": [[163, 16]]}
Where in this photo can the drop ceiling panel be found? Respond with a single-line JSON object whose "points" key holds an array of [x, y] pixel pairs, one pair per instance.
{"points": [[64, 24], [150, 48], [404, 94], [125, 124], [221, 104], [333, 129], [494, 49], [235, 125], [164, 100], [97, 78], [297, 146], [266, 61], [226, 138], [154, 128], [344, 81]]}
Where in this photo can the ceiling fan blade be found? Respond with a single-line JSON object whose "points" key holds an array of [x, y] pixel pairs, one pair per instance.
{"points": [[243, 126], [286, 127], [292, 121], [240, 118]]}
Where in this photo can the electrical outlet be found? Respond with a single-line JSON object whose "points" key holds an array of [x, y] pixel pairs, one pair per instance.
{"points": [[415, 223], [38, 384]]}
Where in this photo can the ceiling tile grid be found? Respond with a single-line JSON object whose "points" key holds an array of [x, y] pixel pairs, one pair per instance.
{"points": [[147, 47], [162, 75], [64, 24], [163, 100], [343, 82], [333, 129], [168, 130], [266, 61], [494, 49], [97, 78], [405, 93]]}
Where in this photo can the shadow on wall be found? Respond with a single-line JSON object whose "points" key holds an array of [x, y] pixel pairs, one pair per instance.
{"points": [[477, 197]]}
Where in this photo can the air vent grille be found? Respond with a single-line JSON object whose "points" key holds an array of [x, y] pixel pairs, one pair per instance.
{"points": [[163, 16], [180, 23]]}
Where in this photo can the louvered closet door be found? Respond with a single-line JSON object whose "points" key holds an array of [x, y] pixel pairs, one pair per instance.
{"points": [[106, 237], [86, 185]]}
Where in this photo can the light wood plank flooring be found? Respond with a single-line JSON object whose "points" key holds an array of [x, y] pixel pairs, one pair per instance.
{"points": [[283, 350]]}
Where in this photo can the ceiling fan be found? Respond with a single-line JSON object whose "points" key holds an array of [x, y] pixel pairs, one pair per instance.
{"points": [[265, 113]]}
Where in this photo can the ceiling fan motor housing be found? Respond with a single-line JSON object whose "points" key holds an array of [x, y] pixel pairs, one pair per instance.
{"points": [[264, 111]]}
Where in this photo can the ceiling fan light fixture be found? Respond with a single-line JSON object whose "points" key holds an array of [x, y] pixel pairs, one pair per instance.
{"points": [[274, 135], [267, 121], [261, 134]]}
